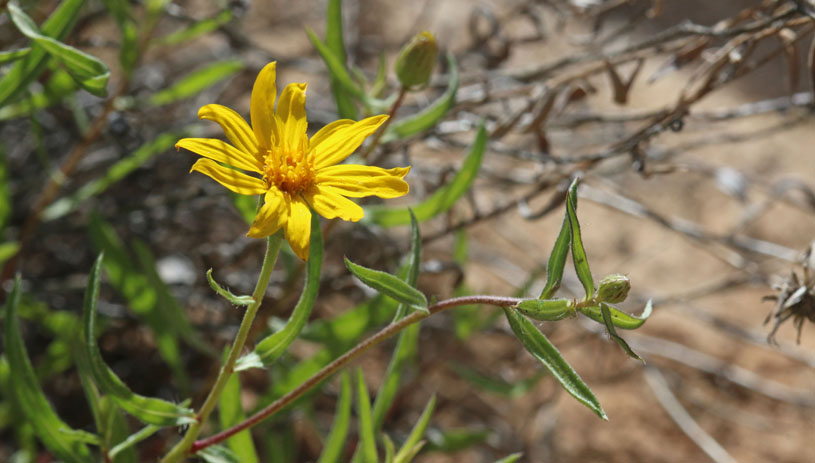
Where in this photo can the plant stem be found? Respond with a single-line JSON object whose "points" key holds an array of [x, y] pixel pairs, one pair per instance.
{"points": [[381, 131], [182, 449], [347, 357]]}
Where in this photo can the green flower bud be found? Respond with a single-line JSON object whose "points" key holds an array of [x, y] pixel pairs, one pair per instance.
{"points": [[416, 60], [613, 288], [547, 310]]}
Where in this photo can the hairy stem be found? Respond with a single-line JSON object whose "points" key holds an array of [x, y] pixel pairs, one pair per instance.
{"points": [[347, 357], [182, 448]]}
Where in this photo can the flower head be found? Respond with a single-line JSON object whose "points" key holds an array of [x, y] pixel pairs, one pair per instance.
{"points": [[292, 172]]}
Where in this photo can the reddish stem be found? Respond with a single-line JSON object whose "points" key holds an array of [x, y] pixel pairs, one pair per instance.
{"points": [[341, 361]]}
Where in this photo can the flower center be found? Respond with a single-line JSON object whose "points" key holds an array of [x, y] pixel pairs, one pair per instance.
{"points": [[291, 171]]}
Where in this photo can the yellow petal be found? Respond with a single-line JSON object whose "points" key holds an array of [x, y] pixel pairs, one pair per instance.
{"points": [[330, 204], [230, 178], [236, 129], [344, 140], [298, 227], [323, 133], [359, 181], [221, 151], [261, 106], [271, 216], [291, 111]]}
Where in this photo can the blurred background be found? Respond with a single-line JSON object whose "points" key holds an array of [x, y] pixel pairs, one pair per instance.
{"points": [[689, 122]]}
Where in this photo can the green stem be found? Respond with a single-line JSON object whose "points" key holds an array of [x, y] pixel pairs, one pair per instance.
{"points": [[381, 131], [181, 449], [344, 359]]}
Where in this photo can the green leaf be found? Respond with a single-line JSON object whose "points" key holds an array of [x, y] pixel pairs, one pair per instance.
{"points": [[6, 206], [557, 259], [129, 47], [196, 29], [442, 199], [226, 294], [367, 441], [408, 338], [13, 55], [147, 409], [613, 333], [58, 87], [29, 398], [619, 318], [116, 431], [8, 250], [429, 116], [147, 295], [230, 413], [453, 440], [335, 442], [581, 261], [115, 173], [536, 343], [197, 81], [270, 348], [412, 444], [133, 439], [498, 386], [511, 458], [336, 67], [218, 454], [335, 44], [90, 73], [29, 68], [389, 285], [547, 310]]}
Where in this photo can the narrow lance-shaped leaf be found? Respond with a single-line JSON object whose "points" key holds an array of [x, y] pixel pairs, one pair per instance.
{"points": [[230, 413], [428, 117], [196, 81], [619, 318], [442, 199], [510, 458], [147, 409], [226, 294], [132, 440], [90, 73], [27, 394], [548, 310], [196, 29], [367, 440], [413, 443], [114, 173], [272, 347], [218, 454], [613, 333], [408, 338], [335, 442], [581, 261], [129, 46], [557, 259], [335, 43], [336, 68], [536, 343], [389, 285], [11, 55], [27, 69]]}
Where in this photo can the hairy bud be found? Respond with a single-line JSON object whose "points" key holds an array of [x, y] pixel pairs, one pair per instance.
{"points": [[613, 288], [416, 60]]}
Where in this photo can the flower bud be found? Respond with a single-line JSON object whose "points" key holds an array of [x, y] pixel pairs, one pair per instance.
{"points": [[416, 60], [613, 288]]}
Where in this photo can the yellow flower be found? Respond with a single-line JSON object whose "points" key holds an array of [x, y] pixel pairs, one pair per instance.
{"points": [[292, 172]]}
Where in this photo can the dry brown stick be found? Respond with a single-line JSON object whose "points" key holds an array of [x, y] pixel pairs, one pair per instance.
{"points": [[683, 419]]}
